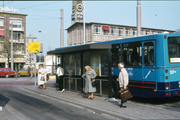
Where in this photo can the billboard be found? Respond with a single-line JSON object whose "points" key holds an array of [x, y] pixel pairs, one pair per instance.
{"points": [[35, 47]]}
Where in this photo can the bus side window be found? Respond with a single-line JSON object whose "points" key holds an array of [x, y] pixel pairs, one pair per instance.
{"points": [[132, 53], [148, 54]]}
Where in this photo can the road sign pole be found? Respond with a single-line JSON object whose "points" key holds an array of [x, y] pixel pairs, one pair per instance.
{"points": [[35, 69]]}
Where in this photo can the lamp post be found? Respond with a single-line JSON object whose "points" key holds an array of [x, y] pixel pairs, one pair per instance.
{"points": [[12, 46], [138, 18]]}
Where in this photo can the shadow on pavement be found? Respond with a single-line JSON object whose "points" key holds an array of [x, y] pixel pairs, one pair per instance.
{"points": [[156, 101], [3, 100]]}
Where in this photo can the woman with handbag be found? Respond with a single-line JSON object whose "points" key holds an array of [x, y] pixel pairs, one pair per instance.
{"points": [[89, 80], [42, 77]]}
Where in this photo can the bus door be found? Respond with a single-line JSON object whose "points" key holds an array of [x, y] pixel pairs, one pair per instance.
{"points": [[149, 71]]}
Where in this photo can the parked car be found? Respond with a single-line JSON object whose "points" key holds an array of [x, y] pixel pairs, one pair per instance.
{"points": [[24, 72], [7, 72]]}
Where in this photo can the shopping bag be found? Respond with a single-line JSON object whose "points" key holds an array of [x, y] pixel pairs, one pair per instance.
{"points": [[125, 94], [42, 78]]}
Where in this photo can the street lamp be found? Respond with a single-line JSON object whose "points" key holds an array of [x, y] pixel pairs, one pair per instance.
{"points": [[138, 18]]}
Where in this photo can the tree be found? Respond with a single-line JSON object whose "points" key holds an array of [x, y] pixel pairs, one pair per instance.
{"points": [[177, 31], [5, 44]]}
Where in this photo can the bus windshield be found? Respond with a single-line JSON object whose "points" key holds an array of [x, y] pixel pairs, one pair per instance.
{"points": [[174, 49]]}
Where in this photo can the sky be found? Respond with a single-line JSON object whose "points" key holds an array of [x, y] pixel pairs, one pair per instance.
{"points": [[44, 16]]}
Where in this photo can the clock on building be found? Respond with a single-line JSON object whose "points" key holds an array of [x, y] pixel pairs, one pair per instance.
{"points": [[73, 8], [79, 7]]}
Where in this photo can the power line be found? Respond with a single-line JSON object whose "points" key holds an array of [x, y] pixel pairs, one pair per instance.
{"points": [[37, 5], [45, 16], [7, 3]]}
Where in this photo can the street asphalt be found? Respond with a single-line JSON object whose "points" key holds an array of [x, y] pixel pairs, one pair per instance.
{"points": [[138, 108]]}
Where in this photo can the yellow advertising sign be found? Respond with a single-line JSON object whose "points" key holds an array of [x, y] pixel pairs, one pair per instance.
{"points": [[34, 47]]}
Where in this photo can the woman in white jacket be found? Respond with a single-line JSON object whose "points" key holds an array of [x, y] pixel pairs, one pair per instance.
{"points": [[123, 81], [42, 77]]}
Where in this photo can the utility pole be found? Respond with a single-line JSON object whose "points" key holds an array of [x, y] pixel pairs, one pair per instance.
{"points": [[138, 18], [62, 30], [84, 27], [12, 46]]}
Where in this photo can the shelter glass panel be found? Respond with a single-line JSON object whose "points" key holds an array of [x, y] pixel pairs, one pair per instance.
{"points": [[66, 83], [72, 62], [95, 61], [105, 90], [97, 85], [116, 58], [72, 82], [87, 59], [66, 64], [79, 85], [104, 62], [78, 64]]}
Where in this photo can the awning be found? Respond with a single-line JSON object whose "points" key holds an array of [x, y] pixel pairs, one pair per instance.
{"points": [[1, 32], [105, 27]]}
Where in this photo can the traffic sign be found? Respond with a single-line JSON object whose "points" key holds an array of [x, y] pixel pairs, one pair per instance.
{"points": [[35, 47]]}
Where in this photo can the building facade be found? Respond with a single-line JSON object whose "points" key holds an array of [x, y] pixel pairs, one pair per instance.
{"points": [[98, 32], [19, 37], [30, 57]]}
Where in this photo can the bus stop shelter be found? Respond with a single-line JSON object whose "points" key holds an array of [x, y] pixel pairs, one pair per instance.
{"points": [[73, 59]]}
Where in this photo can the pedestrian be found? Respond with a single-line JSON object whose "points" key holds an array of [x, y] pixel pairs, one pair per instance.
{"points": [[60, 73], [123, 82], [42, 77], [89, 78], [29, 69]]}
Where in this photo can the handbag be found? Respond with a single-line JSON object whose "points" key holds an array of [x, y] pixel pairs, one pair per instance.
{"points": [[125, 94], [47, 77], [93, 82], [42, 78]]}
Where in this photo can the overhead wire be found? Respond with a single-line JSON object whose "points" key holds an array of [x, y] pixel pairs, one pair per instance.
{"points": [[7, 3], [37, 5]]}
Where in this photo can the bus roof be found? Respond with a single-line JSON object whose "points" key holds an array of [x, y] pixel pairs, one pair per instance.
{"points": [[106, 44]]}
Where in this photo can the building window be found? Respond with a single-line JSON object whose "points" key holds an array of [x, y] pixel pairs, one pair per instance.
{"points": [[127, 32], [17, 35], [112, 31], [120, 31], [105, 32], [134, 32], [1, 22], [147, 32], [142, 32], [16, 23], [96, 30], [153, 32]]}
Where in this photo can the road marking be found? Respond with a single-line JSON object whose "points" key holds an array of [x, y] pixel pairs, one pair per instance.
{"points": [[0, 108]]}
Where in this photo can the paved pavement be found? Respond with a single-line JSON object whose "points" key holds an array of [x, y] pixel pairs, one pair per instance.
{"points": [[135, 110]]}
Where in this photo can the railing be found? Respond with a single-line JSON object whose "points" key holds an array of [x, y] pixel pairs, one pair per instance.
{"points": [[17, 29], [75, 84]]}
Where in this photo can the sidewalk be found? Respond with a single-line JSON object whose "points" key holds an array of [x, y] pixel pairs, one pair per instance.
{"points": [[102, 105]]}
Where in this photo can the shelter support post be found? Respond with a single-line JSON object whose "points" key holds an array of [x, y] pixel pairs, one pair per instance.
{"points": [[110, 73]]}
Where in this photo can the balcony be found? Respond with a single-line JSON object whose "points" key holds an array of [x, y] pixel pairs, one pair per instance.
{"points": [[17, 29], [17, 41]]}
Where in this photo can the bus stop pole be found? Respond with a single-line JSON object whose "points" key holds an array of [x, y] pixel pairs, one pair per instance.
{"points": [[35, 70], [110, 73]]}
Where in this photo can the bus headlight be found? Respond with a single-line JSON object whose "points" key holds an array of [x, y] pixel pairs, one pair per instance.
{"points": [[167, 88]]}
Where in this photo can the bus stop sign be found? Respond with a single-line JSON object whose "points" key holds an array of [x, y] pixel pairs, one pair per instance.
{"points": [[35, 47]]}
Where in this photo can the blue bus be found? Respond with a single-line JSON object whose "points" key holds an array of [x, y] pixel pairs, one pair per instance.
{"points": [[152, 62]]}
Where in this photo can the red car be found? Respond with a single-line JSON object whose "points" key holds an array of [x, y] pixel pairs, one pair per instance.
{"points": [[7, 72]]}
